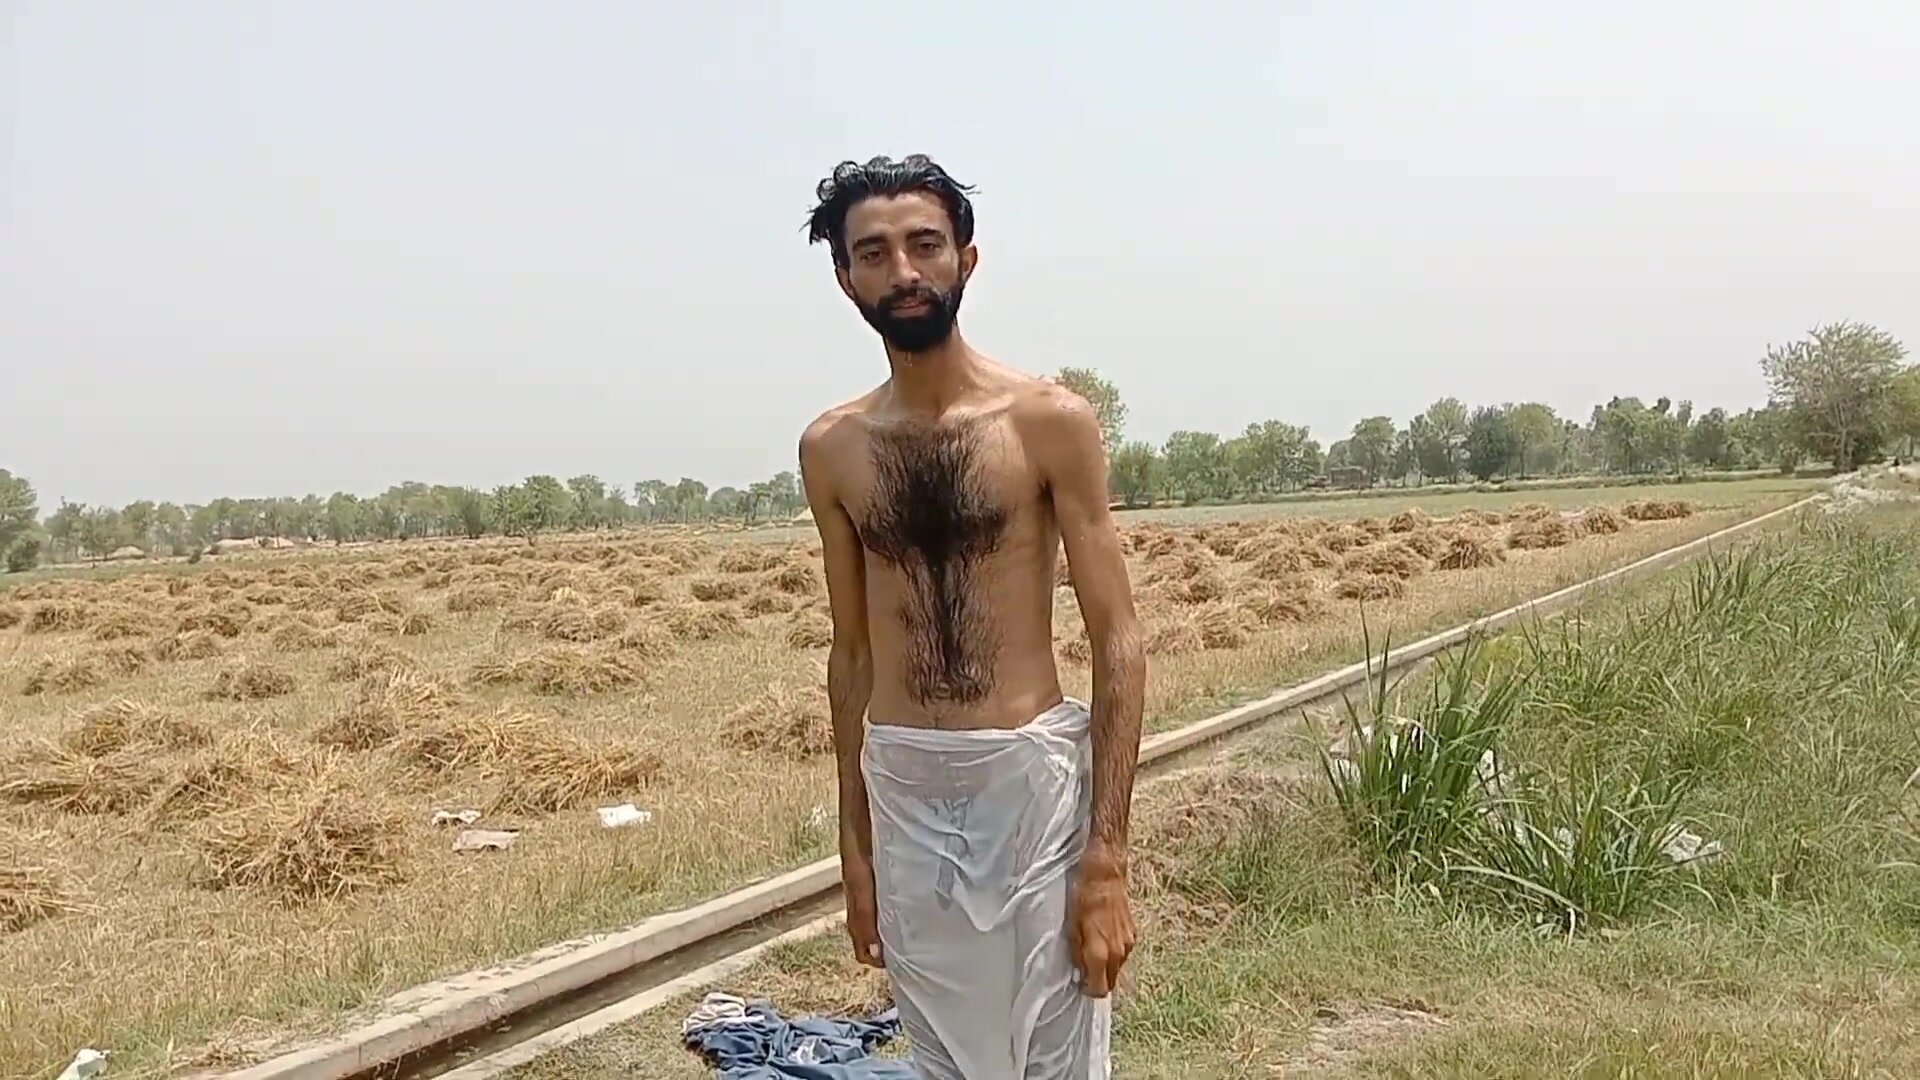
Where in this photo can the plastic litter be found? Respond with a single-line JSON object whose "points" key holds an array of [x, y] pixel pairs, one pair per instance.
{"points": [[975, 837], [485, 839], [614, 817], [88, 1062], [455, 817]]}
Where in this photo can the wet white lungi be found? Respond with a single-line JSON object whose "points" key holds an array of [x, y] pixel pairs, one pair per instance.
{"points": [[976, 835]]}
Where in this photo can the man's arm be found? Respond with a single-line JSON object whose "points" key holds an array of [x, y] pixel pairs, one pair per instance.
{"points": [[1075, 466], [849, 680]]}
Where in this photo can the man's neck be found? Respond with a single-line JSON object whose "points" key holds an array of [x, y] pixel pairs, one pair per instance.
{"points": [[930, 382]]}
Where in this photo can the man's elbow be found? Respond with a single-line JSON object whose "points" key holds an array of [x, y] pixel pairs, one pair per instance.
{"points": [[1121, 648]]}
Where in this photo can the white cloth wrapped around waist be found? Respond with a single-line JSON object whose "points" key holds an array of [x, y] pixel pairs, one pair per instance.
{"points": [[976, 833]]}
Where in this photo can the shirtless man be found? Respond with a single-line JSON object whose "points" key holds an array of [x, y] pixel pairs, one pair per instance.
{"points": [[941, 498]]}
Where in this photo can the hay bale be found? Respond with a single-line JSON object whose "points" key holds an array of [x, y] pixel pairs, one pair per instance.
{"points": [[1409, 520], [64, 675], [119, 622], [750, 560], [1279, 561], [1173, 634], [221, 776], [702, 622], [416, 624], [1223, 626], [1202, 588], [1476, 516], [478, 597], [268, 596], [540, 768], [1372, 526], [564, 669], [792, 721], [125, 724], [34, 886], [250, 680], [11, 615], [1600, 521], [1537, 533], [716, 590], [227, 620], [298, 845], [59, 617], [1468, 551], [366, 603], [384, 705], [191, 645], [368, 658], [1396, 559], [1345, 538], [1428, 543], [303, 636], [1369, 587], [1657, 509], [809, 628], [60, 779], [574, 623], [768, 603], [646, 641], [1288, 601]]}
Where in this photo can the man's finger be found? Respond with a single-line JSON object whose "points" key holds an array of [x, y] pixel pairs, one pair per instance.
{"points": [[1093, 969]]}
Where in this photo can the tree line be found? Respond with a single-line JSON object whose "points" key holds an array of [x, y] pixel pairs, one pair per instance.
{"points": [[1839, 395]]}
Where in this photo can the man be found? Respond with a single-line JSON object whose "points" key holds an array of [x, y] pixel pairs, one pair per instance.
{"points": [[983, 815]]}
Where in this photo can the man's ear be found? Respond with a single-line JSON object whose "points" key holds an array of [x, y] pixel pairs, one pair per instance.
{"points": [[969, 258], [846, 282]]}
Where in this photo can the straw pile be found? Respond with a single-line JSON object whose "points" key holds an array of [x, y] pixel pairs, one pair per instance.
{"points": [[56, 777], [1657, 510], [33, 885], [385, 705], [794, 722], [1538, 533], [564, 669], [190, 645], [1600, 521], [125, 724], [1397, 559], [1468, 551], [1369, 587], [305, 843], [537, 767], [809, 628], [250, 680]]}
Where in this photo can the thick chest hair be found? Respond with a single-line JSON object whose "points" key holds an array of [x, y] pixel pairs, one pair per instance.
{"points": [[933, 518]]}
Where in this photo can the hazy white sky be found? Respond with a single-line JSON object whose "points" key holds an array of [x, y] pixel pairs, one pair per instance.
{"points": [[257, 249]]}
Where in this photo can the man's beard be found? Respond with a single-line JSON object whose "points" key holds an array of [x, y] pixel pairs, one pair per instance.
{"points": [[915, 333]]}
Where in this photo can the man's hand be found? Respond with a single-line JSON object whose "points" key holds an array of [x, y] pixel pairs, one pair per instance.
{"points": [[863, 910], [1100, 929]]}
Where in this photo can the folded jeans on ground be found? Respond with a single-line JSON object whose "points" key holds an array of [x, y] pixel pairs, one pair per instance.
{"points": [[751, 1040], [976, 835]]}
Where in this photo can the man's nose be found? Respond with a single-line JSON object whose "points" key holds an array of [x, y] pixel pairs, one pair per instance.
{"points": [[903, 274]]}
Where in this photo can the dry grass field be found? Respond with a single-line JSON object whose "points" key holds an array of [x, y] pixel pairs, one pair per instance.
{"points": [[217, 783]]}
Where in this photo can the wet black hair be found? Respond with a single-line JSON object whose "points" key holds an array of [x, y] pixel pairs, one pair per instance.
{"points": [[852, 182]]}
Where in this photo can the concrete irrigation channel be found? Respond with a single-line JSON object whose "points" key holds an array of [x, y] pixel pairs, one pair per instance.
{"points": [[482, 1023]]}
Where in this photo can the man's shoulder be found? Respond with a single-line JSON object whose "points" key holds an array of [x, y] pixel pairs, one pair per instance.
{"points": [[832, 429], [1052, 410]]}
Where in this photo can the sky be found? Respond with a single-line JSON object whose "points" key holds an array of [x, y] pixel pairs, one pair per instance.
{"points": [[260, 249]]}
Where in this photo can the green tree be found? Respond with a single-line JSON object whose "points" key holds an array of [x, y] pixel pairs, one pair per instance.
{"points": [[1135, 473], [1537, 431], [1197, 465], [19, 510], [550, 503], [1710, 440], [1444, 438], [1104, 398], [1836, 383], [1492, 445], [170, 527], [474, 510], [1371, 446], [1903, 410]]}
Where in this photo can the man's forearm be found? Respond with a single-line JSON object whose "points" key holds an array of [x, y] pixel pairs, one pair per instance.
{"points": [[1119, 693], [849, 687]]}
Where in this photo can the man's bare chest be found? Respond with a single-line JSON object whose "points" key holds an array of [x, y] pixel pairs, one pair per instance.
{"points": [[942, 495]]}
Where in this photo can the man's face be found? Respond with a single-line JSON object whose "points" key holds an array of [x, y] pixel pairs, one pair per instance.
{"points": [[904, 272]]}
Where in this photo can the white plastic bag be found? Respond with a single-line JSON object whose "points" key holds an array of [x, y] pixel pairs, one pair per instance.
{"points": [[976, 835]]}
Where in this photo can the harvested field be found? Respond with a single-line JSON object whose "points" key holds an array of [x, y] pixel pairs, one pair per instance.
{"points": [[277, 750], [1743, 908]]}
